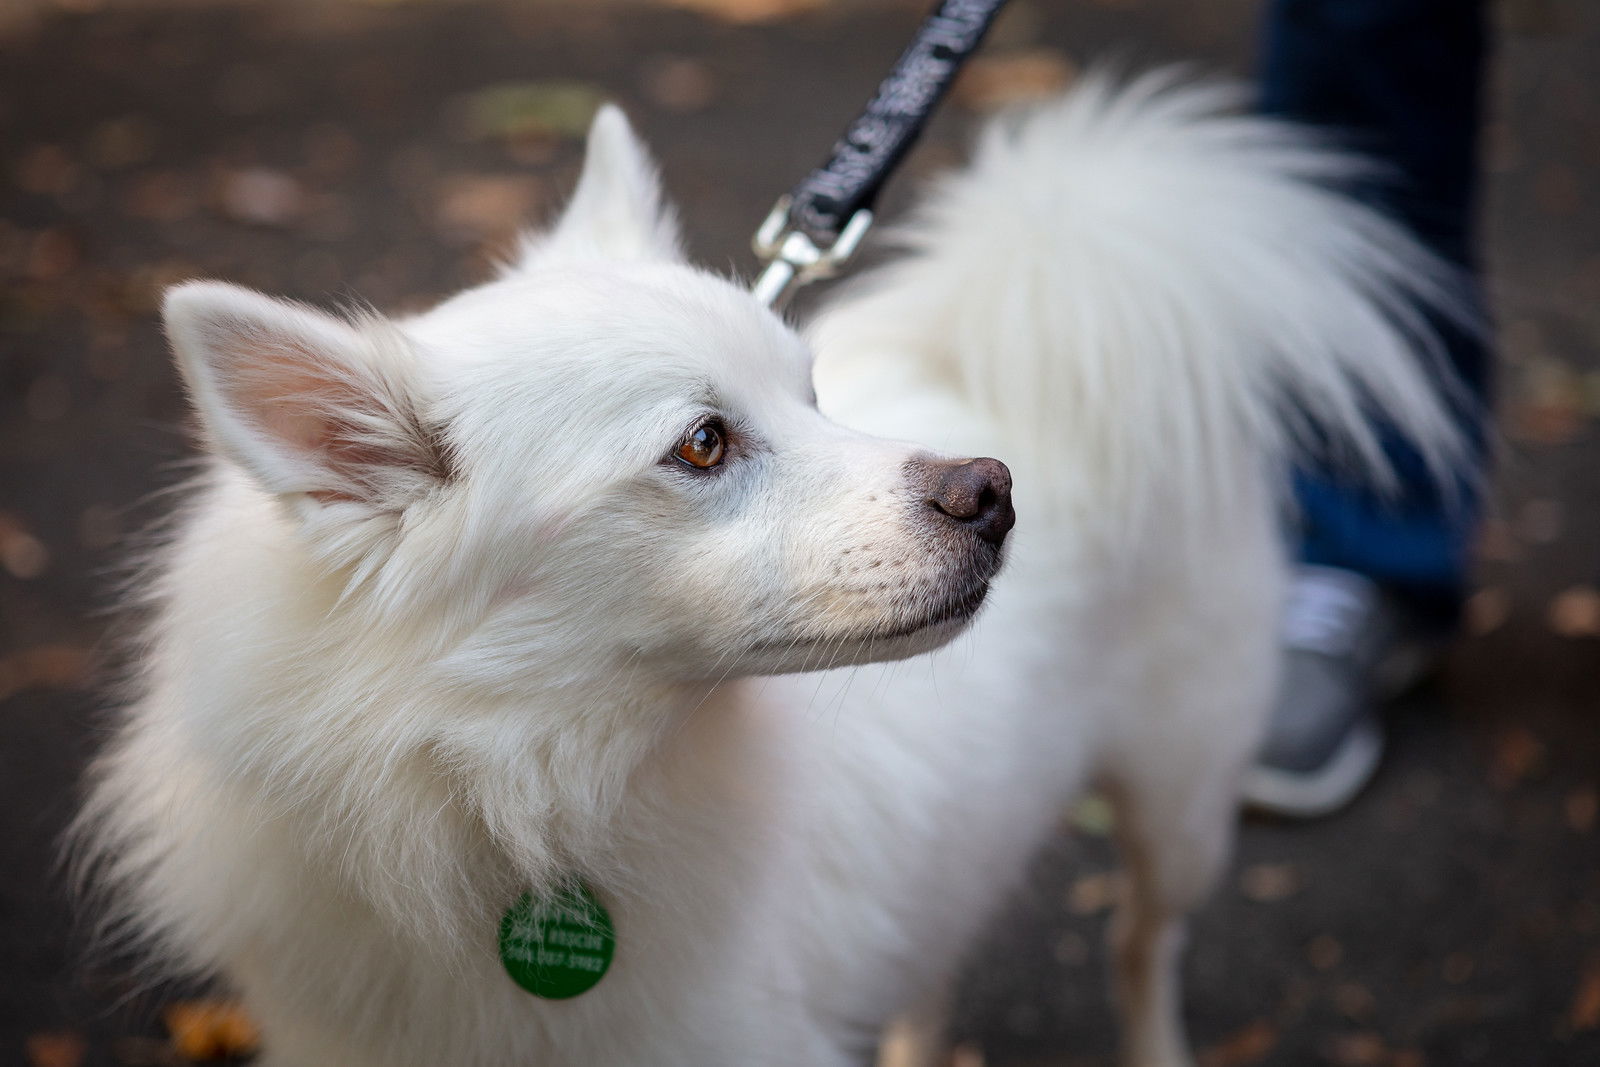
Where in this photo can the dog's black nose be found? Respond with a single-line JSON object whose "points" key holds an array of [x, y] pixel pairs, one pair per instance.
{"points": [[976, 493]]}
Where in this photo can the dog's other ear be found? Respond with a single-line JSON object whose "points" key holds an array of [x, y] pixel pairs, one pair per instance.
{"points": [[617, 211], [308, 404]]}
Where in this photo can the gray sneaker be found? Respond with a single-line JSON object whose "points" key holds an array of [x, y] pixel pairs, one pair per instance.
{"points": [[1348, 647]]}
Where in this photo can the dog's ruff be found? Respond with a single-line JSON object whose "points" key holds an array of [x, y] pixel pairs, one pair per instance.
{"points": [[440, 626]]}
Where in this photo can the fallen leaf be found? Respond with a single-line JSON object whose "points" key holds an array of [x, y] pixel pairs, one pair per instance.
{"points": [[748, 11], [46, 170], [62, 1049], [1541, 521], [1582, 805], [480, 206], [46, 666], [1354, 1000], [1496, 543], [22, 554], [1358, 1050], [121, 142], [160, 196], [516, 110], [1576, 612], [678, 83], [1544, 423], [1585, 1013], [210, 1029], [993, 81], [1517, 753], [1269, 883], [261, 197], [1243, 1047], [1324, 953], [1487, 610], [53, 255]]}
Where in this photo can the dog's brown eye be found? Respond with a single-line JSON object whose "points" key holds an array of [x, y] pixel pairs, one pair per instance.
{"points": [[704, 447]]}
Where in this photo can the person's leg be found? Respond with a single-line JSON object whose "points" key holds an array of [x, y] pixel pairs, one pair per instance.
{"points": [[1400, 80]]}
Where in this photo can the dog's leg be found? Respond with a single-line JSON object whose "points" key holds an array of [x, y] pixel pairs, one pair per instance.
{"points": [[1173, 844]]}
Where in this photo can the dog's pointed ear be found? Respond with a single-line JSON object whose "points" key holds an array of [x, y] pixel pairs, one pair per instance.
{"points": [[306, 403], [617, 210]]}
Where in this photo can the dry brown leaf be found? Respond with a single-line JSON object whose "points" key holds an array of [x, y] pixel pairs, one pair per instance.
{"points": [[1324, 953], [160, 196], [1354, 1000], [22, 554], [1269, 883], [1243, 1047], [1358, 1050], [210, 1029], [261, 197], [993, 81], [46, 666], [121, 142], [46, 170], [62, 1049], [678, 83], [1585, 1013], [1545, 422], [53, 254], [1487, 610], [1575, 612], [1496, 543], [1583, 805], [747, 11], [486, 206], [1542, 521], [1517, 753]]}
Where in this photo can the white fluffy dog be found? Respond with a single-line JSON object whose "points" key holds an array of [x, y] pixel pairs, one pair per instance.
{"points": [[507, 598]]}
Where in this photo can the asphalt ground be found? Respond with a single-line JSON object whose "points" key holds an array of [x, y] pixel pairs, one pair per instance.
{"points": [[384, 151]]}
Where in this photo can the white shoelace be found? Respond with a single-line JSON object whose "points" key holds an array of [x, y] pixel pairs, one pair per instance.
{"points": [[1325, 610]]}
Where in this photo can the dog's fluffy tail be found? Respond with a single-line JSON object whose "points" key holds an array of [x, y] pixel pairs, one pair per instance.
{"points": [[1143, 277]]}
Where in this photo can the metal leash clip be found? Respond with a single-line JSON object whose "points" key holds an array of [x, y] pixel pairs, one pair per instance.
{"points": [[793, 259]]}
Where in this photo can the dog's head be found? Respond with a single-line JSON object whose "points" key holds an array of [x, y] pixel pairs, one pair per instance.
{"points": [[603, 454]]}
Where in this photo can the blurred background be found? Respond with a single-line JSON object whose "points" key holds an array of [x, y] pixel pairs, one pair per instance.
{"points": [[387, 149]]}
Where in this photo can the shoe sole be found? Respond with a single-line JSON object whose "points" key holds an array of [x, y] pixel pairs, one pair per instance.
{"points": [[1324, 791]]}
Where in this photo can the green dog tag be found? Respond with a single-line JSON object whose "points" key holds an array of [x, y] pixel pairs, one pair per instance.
{"points": [[558, 947]]}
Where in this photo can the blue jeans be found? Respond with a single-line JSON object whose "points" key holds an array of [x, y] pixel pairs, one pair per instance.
{"points": [[1399, 80]]}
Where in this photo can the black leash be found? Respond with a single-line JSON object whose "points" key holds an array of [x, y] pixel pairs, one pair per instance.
{"points": [[815, 227]]}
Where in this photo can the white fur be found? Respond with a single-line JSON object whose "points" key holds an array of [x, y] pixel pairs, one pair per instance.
{"points": [[442, 625]]}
